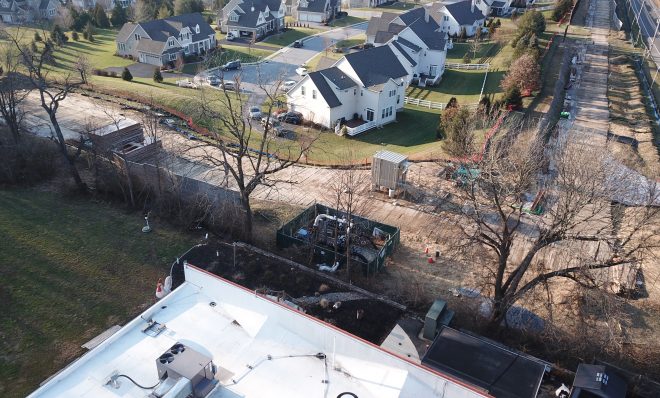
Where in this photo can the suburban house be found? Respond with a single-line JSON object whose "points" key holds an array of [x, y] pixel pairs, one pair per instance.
{"points": [[500, 7], [452, 17], [317, 10], [22, 11], [365, 89], [162, 41], [416, 39], [363, 3], [254, 18]]}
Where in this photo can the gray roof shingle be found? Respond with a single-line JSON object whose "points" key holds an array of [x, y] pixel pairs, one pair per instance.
{"points": [[376, 65], [405, 54], [314, 6], [250, 12], [338, 78], [408, 44], [463, 14], [324, 89]]}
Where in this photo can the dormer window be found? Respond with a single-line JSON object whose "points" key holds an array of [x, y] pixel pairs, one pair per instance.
{"points": [[196, 28], [170, 42], [233, 17]]}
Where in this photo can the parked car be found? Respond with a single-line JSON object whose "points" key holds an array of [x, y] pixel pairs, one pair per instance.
{"points": [[255, 112], [272, 124], [288, 85], [290, 117], [232, 65], [213, 80], [168, 122], [228, 86], [302, 71], [186, 83], [230, 36], [297, 44], [337, 50], [191, 136]]}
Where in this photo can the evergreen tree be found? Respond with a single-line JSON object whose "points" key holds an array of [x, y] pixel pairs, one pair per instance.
{"points": [[37, 36], [513, 98], [89, 32], [158, 77], [119, 16], [100, 17], [146, 10], [74, 36], [126, 75], [164, 11], [188, 6], [33, 47]]}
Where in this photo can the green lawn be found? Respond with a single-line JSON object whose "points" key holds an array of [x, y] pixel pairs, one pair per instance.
{"points": [[464, 85], [485, 50], [229, 53], [351, 41], [70, 269], [346, 21], [289, 36], [413, 134]]}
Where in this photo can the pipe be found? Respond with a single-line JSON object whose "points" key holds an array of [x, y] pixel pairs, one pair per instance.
{"points": [[332, 269], [320, 217]]}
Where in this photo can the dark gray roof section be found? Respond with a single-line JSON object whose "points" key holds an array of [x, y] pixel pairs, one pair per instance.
{"points": [[151, 46], [463, 14], [338, 78], [402, 50], [498, 4], [412, 15], [161, 29], [324, 89], [314, 6], [598, 381], [383, 37], [501, 371], [427, 32], [376, 65], [248, 18], [408, 44]]}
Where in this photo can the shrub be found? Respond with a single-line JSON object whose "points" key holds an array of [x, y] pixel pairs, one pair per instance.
{"points": [[37, 36], [513, 98], [126, 75], [466, 58], [75, 36], [158, 77]]}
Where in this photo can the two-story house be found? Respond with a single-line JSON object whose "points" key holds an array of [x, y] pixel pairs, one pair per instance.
{"points": [[162, 41], [252, 18], [317, 10], [23, 11], [418, 41], [452, 17], [367, 87]]}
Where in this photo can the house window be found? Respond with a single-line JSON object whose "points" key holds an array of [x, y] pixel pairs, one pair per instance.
{"points": [[233, 18], [137, 36], [313, 94], [355, 91], [172, 57], [196, 28], [382, 116], [398, 99], [392, 93], [445, 18], [370, 115], [361, 93], [302, 90]]}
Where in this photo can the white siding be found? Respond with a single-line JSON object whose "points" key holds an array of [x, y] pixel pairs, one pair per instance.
{"points": [[316, 110]]}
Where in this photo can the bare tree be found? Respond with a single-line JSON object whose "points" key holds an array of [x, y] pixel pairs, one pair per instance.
{"points": [[83, 67], [52, 90], [582, 230], [12, 91], [348, 188], [251, 154]]}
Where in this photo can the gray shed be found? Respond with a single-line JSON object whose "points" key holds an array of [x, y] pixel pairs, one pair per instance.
{"points": [[388, 170]]}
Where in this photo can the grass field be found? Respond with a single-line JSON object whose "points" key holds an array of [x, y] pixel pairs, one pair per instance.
{"points": [[70, 269], [285, 38], [346, 21], [412, 133], [464, 85]]}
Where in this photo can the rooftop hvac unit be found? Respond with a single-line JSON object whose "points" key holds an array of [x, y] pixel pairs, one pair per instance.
{"points": [[184, 372]]}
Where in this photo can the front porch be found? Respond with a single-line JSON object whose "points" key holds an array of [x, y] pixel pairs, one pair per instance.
{"points": [[355, 126]]}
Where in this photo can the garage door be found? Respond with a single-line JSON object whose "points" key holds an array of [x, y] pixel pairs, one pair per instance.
{"points": [[315, 18], [303, 16]]}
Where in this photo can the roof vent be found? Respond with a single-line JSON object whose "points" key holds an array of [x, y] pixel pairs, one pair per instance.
{"points": [[177, 348], [166, 358]]}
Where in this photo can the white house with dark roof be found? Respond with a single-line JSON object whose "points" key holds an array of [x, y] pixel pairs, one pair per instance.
{"points": [[365, 87], [252, 18], [416, 39], [317, 10], [452, 17], [23, 11], [162, 41]]}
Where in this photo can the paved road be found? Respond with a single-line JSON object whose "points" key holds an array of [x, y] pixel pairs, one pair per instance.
{"points": [[282, 65]]}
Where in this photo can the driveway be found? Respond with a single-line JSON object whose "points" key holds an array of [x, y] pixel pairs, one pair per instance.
{"points": [[282, 64]]}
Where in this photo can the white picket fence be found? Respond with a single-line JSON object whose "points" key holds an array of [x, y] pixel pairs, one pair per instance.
{"points": [[431, 104], [360, 129], [450, 65]]}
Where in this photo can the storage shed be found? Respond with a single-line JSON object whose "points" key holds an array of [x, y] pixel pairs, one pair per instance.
{"points": [[388, 170]]}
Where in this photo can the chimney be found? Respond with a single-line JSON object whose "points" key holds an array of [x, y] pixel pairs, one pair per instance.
{"points": [[472, 6], [426, 14]]}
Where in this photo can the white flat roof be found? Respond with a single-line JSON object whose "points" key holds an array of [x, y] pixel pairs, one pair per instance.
{"points": [[239, 331]]}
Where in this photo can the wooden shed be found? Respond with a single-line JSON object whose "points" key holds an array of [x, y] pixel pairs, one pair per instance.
{"points": [[388, 170]]}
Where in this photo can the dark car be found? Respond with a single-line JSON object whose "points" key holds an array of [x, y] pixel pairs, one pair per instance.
{"points": [[232, 65], [290, 117], [297, 43]]}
